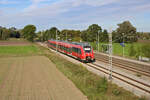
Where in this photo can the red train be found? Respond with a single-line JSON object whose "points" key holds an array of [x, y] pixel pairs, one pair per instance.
{"points": [[81, 51]]}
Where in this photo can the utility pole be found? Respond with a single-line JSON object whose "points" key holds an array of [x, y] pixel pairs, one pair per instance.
{"points": [[123, 44], [110, 55], [56, 40], [98, 40], [66, 36], [80, 37]]}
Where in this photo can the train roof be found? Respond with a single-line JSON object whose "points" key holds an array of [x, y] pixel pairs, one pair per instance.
{"points": [[75, 43]]}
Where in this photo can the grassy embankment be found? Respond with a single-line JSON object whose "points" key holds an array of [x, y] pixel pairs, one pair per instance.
{"points": [[93, 86]]}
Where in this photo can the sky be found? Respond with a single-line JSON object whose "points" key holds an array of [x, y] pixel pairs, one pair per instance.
{"points": [[75, 14]]}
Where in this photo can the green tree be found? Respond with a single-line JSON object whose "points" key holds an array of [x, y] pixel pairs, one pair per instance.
{"points": [[29, 32], [49, 34], [84, 35], [14, 32], [91, 33], [4, 33], [40, 36], [104, 36], [76, 35], [53, 31], [71, 35], [128, 30], [63, 34]]}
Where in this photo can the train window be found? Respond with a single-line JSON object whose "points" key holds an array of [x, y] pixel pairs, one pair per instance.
{"points": [[63, 47], [76, 50], [73, 49], [70, 50], [87, 49], [67, 49]]}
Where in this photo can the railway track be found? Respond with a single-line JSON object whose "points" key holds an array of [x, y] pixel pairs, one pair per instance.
{"points": [[125, 65], [138, 84]]}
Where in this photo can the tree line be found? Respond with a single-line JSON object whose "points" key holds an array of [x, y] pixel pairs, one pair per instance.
{"points": [[125, 32], [9, 33]]}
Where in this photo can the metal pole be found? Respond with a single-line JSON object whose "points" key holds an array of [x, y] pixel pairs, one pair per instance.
{"points": [[66, 36], [56, 40], [110, 55], [98, 40], [80, 37], [123, 44]]}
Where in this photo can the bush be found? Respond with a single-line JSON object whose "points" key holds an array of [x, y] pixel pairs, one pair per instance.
{"points": [[146, 50], [102, 85], [143, 98], [132, 51], [116, 92]]}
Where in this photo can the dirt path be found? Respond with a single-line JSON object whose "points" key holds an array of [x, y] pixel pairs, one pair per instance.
{"points": [[36, 78]]}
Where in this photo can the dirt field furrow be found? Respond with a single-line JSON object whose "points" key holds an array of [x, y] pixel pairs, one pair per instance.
{"points": [[36, 78]]}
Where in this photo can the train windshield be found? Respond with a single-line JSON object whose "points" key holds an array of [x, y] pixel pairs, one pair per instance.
{"points": [[87, 49]]}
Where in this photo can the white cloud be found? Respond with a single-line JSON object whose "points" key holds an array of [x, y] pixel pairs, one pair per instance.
{"points": [[71, 12], [35, 4], [61, 6]]}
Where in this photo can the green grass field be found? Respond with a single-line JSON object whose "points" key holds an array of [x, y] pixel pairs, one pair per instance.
{"points": [[118, 49], [18, 50]]}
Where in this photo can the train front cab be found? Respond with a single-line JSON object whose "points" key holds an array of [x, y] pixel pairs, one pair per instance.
{"points": [[88, 55]]}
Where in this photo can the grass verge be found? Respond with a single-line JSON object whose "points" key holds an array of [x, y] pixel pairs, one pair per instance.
{"points": [[93, 86], [19, 50], [118, 49]]}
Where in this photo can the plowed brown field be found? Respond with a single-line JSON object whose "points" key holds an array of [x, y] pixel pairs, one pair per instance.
{"points": [[35, 78]]}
